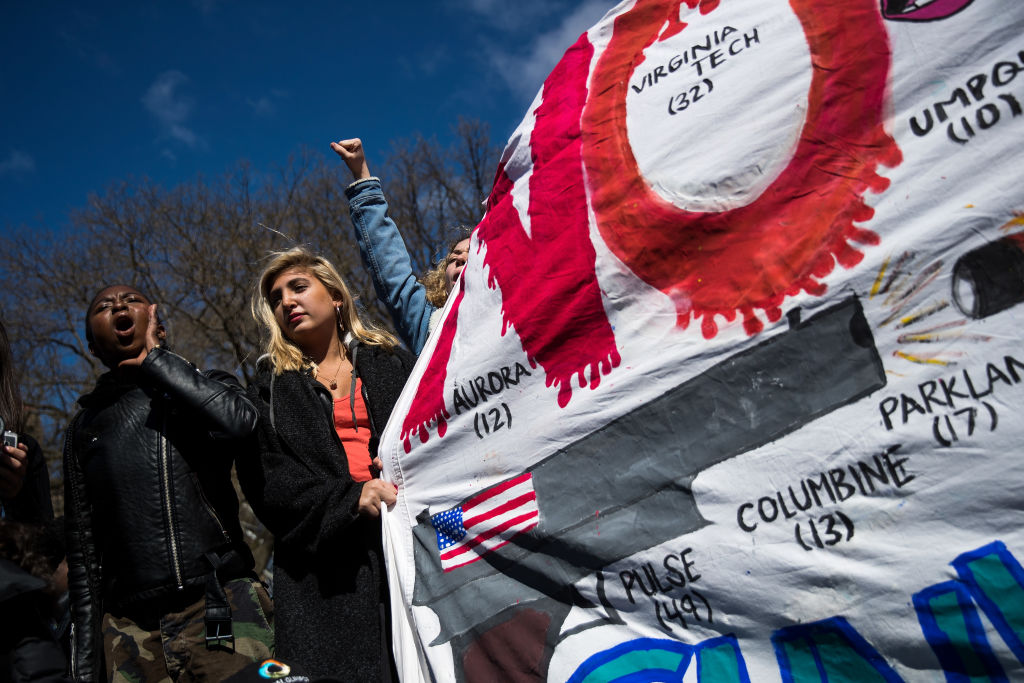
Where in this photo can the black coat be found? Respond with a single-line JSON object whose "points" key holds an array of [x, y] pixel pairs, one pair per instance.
{"points": [[147, 477], [32, 504], [28, 648], [330, 591]]}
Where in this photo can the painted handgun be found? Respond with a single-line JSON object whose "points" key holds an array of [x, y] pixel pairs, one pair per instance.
{"points": [[627, 487], [990, 279]]}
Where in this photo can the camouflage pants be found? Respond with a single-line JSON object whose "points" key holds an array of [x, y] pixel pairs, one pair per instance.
{"points": [[173, 646]]}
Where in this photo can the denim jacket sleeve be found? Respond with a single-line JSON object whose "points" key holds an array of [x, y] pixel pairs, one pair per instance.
{"points": [[387, 258]]}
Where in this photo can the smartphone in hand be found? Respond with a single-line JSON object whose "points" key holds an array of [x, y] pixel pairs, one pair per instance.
{"points": [[9, 438]]}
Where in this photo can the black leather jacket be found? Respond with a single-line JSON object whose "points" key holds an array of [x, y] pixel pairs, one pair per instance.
{"points": [[29, 651], [147, 477]]}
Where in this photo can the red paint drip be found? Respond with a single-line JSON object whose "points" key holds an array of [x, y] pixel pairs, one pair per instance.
{"points": [[548, 283], [791, 236], [705, 6], [428, 403], [549, 288], [673, 25]]}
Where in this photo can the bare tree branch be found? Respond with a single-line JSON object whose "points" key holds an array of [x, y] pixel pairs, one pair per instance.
{"points": [[197, 248]]}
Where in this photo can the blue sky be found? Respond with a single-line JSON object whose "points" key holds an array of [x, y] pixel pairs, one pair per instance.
{"points": [[92, 93]]}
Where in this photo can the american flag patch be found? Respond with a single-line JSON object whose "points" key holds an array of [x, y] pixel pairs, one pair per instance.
{"points": [[486, 521]]}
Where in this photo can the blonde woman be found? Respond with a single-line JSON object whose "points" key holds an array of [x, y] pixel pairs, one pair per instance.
{"points": [[324, 390]]}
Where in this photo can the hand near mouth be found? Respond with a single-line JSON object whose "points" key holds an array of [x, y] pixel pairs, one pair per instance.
{"points": [[152, 340]]}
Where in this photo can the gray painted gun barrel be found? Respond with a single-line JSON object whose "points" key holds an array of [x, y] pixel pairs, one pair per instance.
{"points": [[626, 487]]}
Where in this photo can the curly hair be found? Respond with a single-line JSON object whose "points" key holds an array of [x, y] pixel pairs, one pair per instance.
{"points": [[434, 280]]}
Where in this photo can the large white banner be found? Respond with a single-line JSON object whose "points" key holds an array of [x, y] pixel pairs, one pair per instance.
{"points": [[731, 388]]}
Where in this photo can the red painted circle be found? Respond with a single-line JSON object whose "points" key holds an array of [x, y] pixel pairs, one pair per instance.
{"points": [[791, 236]]}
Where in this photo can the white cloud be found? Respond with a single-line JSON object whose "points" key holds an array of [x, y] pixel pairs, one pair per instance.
{"points": [[17, 162], [170, 108], [262, 107], [265, 106], [524, 70], [509, 16]]}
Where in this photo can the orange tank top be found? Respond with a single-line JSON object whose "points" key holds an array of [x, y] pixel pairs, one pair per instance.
{"points": [[355, 441]]}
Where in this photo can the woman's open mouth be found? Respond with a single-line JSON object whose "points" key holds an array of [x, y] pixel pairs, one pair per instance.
{"points": [[124, 326]]}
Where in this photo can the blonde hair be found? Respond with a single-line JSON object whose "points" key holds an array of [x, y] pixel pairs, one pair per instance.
{"points": [[434, 281], [434, 284], [285, 354]]}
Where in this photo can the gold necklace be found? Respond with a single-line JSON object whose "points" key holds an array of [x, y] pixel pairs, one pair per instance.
{"points": [[333, 384]]}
